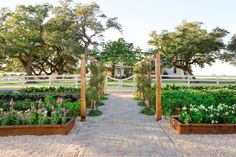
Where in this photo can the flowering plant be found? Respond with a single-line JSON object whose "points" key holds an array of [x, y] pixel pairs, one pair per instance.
{"points": [[223, 114], [40, 113]]}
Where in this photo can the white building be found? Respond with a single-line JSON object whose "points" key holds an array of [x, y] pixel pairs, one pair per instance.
{"points": [[124, 71], [172, 71]]}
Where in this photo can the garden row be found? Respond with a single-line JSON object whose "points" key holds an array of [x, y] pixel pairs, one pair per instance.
{"points": [[197, 105], [35, 108]]}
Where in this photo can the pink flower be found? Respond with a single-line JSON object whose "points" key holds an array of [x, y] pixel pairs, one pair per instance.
{"points": [[40, 102], [43, 109], [35, 109], [60, 100], [12, 102], [48, 103]]}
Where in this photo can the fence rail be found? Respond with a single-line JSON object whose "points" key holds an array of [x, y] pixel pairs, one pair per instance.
{"points": [[197, 80], [18, 82]]}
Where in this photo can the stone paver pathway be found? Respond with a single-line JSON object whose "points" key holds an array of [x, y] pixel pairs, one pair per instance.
{"points": [[120, 132], [123, 131]]}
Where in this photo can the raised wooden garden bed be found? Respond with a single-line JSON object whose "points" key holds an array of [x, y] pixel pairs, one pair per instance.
{"points": [[202, 128], [13, 130]]}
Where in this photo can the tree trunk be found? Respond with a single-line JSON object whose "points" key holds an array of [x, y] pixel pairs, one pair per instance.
{"points": [[113, 70], [83, 88], [187, 72], [27, 63], [60, 66]]}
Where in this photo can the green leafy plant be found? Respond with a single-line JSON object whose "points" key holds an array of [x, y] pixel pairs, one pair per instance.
{"points": [[175, 98], [95, 112], [142, 103], [99, 103], [221, 113], [150, 111]]}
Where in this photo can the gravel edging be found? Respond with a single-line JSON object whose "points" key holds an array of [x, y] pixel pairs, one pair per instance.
{"points": [[195, 145]]}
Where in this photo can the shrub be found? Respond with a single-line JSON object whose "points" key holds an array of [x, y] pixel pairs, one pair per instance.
{"points": [[142, 103], [95, 112], [150, 111]]}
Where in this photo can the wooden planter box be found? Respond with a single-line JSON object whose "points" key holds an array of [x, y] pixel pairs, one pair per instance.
{"points": [[202, 128], [13, 130]]}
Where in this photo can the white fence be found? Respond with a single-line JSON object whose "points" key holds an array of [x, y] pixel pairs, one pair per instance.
{"points": [[18, 82], [197, 80]]}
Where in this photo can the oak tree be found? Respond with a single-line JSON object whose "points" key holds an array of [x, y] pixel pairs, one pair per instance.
{"points": [[189, 45]]}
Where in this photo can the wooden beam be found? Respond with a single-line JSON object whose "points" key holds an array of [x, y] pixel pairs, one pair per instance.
{"points": [[158, 87], [83, 88]]}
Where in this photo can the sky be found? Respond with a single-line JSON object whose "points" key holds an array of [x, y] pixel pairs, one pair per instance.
{"points": [[139, 17]]}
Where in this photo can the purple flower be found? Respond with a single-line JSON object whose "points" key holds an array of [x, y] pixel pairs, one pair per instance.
{"points": [[63, 110]]}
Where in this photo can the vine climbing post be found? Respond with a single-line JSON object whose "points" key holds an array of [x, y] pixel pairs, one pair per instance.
{"points": [[83, 88], [158, 87]]}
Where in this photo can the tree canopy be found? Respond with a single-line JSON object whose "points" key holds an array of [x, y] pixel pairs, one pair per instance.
{"points": [[230, 53], [120, 51], [49, 39], [189, 45]]}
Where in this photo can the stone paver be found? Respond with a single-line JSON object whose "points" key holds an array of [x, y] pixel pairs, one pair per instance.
{"points": [[123, 131]]}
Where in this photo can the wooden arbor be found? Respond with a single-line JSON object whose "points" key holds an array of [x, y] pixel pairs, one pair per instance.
{"points": [[158, 87]]}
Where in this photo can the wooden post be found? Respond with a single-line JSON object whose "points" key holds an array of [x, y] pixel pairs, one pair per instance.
{"points": [[106, 84], [83, 88], [158, 87], [91, 75], [150, 85]]}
